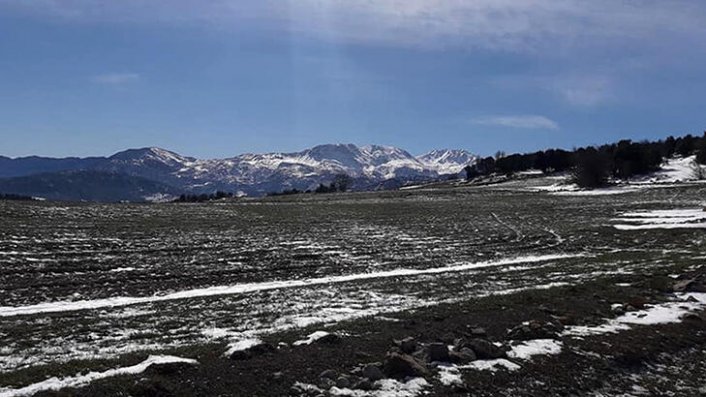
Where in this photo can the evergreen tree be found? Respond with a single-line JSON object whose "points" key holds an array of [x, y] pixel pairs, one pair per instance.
{"points": [[592, 168]]}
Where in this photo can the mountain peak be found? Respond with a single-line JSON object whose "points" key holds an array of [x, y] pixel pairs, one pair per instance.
{"points": [[151, 153], [447, 161]]}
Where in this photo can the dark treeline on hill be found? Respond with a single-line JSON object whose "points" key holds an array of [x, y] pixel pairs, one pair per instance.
{"points": [[594, 166], [340, 183], [17, 197], [288, 192], [200, 198]]}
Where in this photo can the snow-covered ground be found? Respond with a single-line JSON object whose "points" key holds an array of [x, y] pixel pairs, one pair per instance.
{"points": [[100, 281], [70, 306]]}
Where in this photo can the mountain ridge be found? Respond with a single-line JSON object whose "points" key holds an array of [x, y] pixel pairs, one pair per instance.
{"points": [[257, 173]]}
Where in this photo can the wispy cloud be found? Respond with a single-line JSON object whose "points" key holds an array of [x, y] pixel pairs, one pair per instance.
{"points": [[115, 79], [515, 25], [584, 90], [534, 122]]}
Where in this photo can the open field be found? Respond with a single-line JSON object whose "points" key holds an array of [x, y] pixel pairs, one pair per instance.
{"points": [[91, 287]]}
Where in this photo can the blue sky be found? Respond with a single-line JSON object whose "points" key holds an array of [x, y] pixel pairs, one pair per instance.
{"points": [[222, 77]]}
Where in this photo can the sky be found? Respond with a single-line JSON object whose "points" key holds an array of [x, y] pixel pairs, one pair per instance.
{"points": [[217, 78]]}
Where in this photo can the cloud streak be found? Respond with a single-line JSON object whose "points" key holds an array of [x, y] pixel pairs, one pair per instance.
{"points": [[531, 122]]}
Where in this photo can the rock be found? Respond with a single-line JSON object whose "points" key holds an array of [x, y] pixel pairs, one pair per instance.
{"points": [[400, 366], [407, 345], [239, 355], [463, 356], [690, 285], [328, 339], [534, 330], [261, 348], [478, 332], [448, 338], [363, 384], [661, 283], [343, 382], [326, 383], [565, 320], [253, 351], [638, 302], [485, 350], [420, 355], [618, 309], [168, 368], [691, 316], [363, 355], [372, 372], [329, 374], [438, 352]]}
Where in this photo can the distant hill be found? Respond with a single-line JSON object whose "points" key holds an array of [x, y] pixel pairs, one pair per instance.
{"points": [[24, 166], [87, 185]]}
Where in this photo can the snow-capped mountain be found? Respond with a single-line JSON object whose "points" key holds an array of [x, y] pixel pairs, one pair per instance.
{"points": [[257, 174], [447, 161], [305, 169]]}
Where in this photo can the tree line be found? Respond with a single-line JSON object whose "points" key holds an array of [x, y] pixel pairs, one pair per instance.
{"points": [[203, 197], [340, 183], [593, 166]]}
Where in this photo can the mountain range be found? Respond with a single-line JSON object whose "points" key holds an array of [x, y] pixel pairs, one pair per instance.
{"points": [[142, 174]]}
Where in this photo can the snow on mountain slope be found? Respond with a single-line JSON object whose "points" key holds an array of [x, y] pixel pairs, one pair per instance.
{"points": [[269, 172], [447, 161], [152, 155], [373, 161]]}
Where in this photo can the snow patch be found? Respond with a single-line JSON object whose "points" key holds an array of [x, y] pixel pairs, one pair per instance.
{"points": [[386, 388], [311, 338], [450, 375], [492, 365], [536, 347], [82, 380], [665, 313], [675, 170], [122, 269], [241, 345]]}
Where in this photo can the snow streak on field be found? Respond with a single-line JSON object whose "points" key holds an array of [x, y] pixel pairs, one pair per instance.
{"points": [[662, 219], [82, 380], [99, 281]]}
